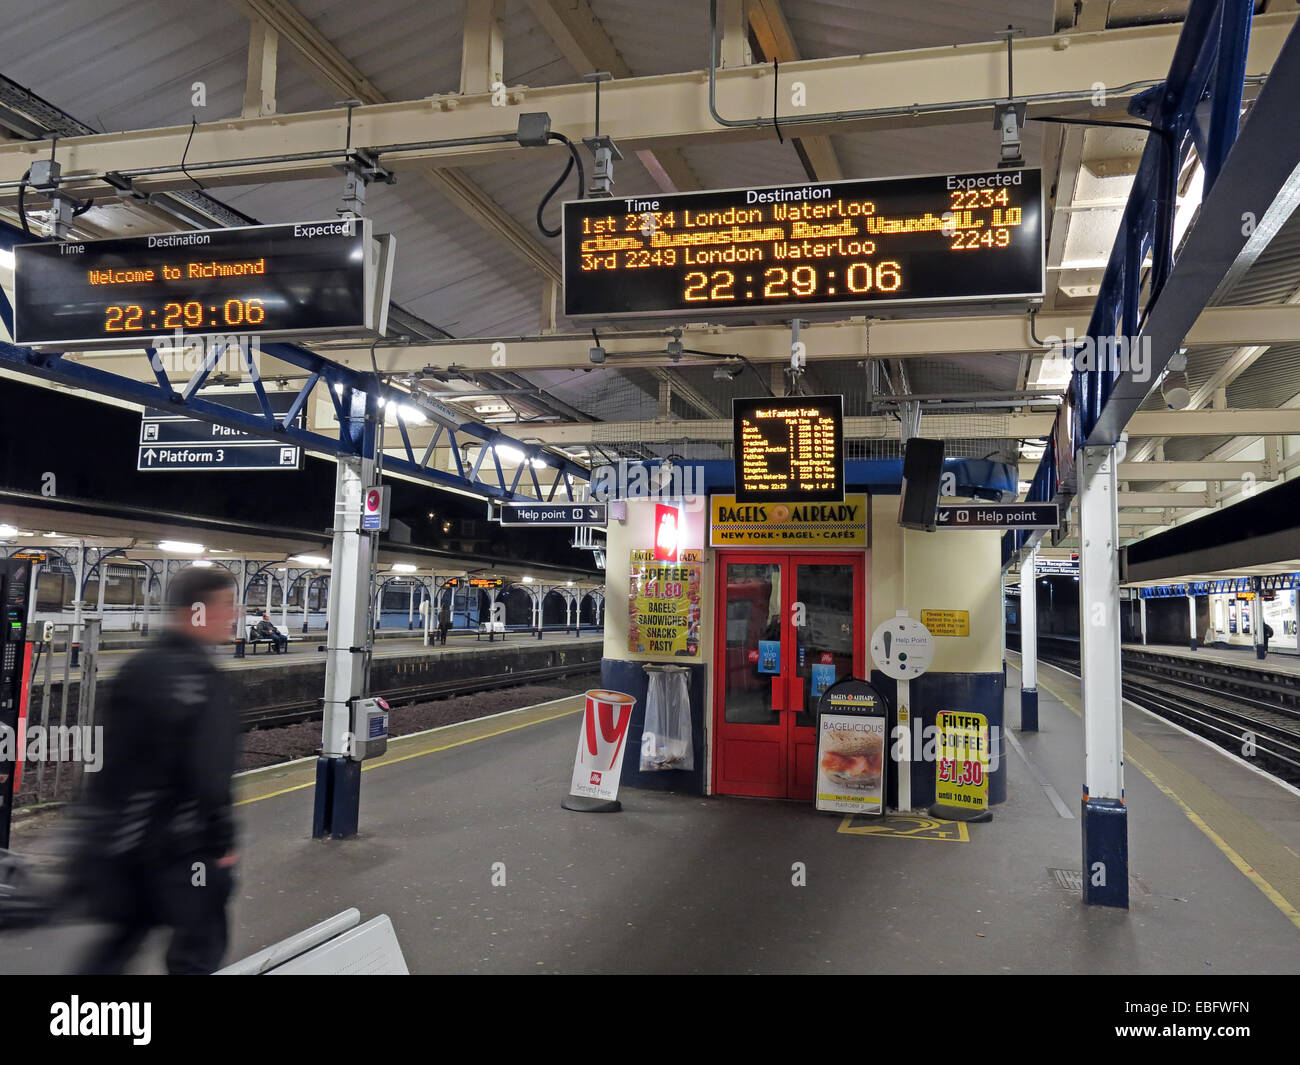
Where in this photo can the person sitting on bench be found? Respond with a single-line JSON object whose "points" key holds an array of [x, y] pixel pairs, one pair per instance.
{"points": [[264, 630]]}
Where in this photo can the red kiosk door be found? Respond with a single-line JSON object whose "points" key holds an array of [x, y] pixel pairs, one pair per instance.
{"points": [[779, 615]]}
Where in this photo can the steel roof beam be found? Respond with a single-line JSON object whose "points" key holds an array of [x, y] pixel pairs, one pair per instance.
{"points": [[907, 89]]}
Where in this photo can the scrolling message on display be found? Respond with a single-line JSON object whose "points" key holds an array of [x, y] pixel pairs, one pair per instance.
{"points": [[789, 450], [971, 237], [307, 277]]}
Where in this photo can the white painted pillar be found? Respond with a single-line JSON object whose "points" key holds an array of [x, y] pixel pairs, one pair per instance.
{"points": [[1105, 817], [1142, 617], [1029, 643], [284, 601], [1257, 618], [410, 605], [1191, 624]]}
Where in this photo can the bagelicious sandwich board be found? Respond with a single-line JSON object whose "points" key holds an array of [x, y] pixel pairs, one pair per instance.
{"points": [[851, 746]]}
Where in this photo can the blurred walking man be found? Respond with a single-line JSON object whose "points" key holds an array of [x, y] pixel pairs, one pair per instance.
{"points": [[159, 843]]}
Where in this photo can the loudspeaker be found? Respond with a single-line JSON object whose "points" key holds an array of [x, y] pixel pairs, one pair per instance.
{"points": [[922, 470]]}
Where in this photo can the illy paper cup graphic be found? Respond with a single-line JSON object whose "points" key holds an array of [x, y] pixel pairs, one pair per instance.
{"points": [[601, 743]]}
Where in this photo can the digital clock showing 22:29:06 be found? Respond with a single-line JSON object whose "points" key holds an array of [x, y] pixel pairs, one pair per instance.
{"points": [[946, 238], [300, 278]]}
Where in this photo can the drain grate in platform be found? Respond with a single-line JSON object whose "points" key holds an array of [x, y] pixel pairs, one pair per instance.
{"points": [[1072, 880]]}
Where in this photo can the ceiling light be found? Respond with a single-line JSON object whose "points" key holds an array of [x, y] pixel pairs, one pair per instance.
{"points": [[527, 580], [8, 530], [180, 547], [1173, 386], [54, 535], [403, 567], [202, 563], [492, 408], [6, 259], [310, 560]]}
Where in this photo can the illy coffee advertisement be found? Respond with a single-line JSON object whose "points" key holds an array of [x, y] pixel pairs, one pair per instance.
{"points": [[602, 742]]}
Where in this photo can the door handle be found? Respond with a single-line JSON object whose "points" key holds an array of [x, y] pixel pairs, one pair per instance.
{"points": [[796, 695], [778, 693]]}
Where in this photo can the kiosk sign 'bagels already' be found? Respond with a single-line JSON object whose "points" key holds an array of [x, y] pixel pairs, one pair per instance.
{"points": [[835, 525]]}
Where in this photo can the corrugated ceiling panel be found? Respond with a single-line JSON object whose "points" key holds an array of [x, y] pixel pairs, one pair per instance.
{"points": [[130, 64], [825, 28]]}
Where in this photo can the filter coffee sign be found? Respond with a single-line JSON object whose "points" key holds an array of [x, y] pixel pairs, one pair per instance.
{"points": [[664, 607], [842, 524]]}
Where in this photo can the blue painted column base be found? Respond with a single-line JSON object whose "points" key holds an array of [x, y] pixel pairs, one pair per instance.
{"points": [[338, 798], [1105, 853], [1259, 651], [1028, 709], [1192, 643]]}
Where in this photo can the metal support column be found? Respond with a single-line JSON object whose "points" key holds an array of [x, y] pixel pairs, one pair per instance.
{"points": [[1029, 644], [1257, 618], [284, 601], [1191, 622], [410, 606], [338, 777], [1142, 619], [1105, 818]]}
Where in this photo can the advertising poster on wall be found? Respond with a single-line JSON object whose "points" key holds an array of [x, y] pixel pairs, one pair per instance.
{"points": [[664, 607]]}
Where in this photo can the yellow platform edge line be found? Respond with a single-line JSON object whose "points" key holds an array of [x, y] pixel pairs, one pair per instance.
{"points": [[419, 754], [1244, 867]]}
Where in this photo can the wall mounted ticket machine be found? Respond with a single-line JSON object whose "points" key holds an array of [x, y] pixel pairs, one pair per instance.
{"points": [[15, 591]]}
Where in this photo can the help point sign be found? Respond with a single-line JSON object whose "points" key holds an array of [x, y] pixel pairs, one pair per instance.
{"points": [[602, 744]]}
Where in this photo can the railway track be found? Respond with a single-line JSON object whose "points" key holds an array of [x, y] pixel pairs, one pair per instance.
{"points": [[292, 713], [1254, 717]]}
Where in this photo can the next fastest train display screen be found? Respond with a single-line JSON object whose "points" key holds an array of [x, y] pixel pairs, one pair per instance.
{"points": [[955, 237]]}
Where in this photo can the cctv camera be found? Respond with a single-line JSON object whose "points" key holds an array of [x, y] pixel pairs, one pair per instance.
{"points": [[596, 354]]}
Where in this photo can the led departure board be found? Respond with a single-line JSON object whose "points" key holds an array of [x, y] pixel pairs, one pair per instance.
{"points": [[953, 237], [789, 450], [276, 280]]}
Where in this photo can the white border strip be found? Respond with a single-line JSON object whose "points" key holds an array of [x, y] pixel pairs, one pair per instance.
{"points": [[1199, 739], [422, 732]]}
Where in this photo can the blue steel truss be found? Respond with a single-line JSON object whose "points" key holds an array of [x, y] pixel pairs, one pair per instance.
{"points": [[1277, 582], [341, 383], [1206, 77]]}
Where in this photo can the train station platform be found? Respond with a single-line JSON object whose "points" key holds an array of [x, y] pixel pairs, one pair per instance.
{"points": [[677, 883], [307, 648], [1236, 657]]}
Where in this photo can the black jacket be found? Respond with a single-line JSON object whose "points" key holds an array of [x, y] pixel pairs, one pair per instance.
{"points": [[170, 741], [265, 628]]}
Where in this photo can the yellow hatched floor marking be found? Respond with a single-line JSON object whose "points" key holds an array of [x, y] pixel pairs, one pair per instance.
{"points": [[1266, 850], [906, 826]]}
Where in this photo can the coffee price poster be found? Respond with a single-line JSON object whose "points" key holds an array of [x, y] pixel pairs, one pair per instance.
{"points": [[664, 607]]}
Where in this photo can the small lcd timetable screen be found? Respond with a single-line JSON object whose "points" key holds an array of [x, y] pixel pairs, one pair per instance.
{"points": [[789, 450], [955, 237], [295, 279]]}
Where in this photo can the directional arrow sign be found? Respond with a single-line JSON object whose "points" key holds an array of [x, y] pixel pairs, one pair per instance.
{"points": [[567, 514], [998, 516], [241, 456]]}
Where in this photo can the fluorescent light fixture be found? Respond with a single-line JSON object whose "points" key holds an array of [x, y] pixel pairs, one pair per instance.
{"points": [[180, 547], [569, 583], [202, 563], [8, 530], [310, 560], [54, 535], [6, 259], [403, 567], [509, 454], [492, 408], [527, 580]]}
